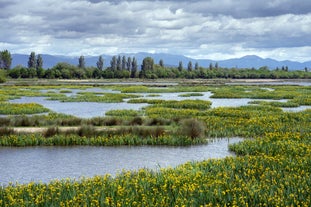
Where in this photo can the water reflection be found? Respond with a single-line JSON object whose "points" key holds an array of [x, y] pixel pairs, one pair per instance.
{"points": [[47, 163]]}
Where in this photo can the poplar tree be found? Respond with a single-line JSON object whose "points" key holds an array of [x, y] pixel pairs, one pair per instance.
{"points": [[32, 63], [129, 63], [161, 63], [123, 63], [180, 66], [134, 68], [113, 63], [39, 62], [190, 66], [196, 66], [100, 63], [119, 63], [81, 62]]}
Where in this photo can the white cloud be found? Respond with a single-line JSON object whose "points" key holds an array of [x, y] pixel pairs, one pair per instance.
{"points": [[213, 29]]}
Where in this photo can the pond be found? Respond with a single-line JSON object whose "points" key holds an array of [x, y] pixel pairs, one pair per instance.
{"points": [[47, 163], [94, 109]]}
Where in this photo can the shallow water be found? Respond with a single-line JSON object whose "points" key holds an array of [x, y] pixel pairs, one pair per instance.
{"points": [[47, 163]]}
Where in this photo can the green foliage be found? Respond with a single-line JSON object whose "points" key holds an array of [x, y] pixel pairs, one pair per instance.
{"points": [[24, 108], [192, 128], [190, 94], [2, 76], [5, 60]]}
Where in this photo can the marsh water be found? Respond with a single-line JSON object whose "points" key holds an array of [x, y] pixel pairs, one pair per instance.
{"points": [[94, 109], [48, 163]]}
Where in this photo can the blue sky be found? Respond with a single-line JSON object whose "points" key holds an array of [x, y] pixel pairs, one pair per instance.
{"points": [[213, 29]]}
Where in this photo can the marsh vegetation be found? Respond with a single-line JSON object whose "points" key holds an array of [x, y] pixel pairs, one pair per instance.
{"points": [[271, 169]]}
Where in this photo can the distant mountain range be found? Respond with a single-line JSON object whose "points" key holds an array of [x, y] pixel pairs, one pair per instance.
{"points": [[250, 61]]}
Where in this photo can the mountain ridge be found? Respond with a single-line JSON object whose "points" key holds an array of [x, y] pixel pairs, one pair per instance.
{"points": [[248, 61]]}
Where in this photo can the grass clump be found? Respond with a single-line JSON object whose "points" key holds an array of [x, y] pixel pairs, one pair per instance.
{"points": [[193, 128]]}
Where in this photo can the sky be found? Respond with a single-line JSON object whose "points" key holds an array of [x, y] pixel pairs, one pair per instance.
{"points": [[201, 29]]}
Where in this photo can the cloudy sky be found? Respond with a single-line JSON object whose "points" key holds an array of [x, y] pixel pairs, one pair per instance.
{"points": [[213, 29]]}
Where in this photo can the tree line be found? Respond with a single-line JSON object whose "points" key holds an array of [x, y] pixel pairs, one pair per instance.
{"points": [[127, 67]]}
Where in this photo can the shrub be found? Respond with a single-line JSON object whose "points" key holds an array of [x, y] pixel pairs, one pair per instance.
{"points": [[2, 76], [136, 121], [6, 131], [51, 131], [192, 128], [4, 121], [86, 131]]}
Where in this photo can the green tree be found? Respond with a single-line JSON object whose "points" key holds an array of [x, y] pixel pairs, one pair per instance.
{"points": [[81, 62], [211, 66], [119, 63], [161, 63], [100, 63], [180, 66], [113, 63], [39, 62], [32, 62], [2, 76], [128, 63], [123, 62], [147, 64], [196, 66], [216, 65], [5, 60], [39, 68], [189, 66], [134, 68]]}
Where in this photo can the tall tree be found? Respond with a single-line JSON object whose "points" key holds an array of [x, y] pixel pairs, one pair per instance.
{"points": [[216, 65], [32, 63], [161, 63], [128, 63], [39, 61], [189, 66], [39, 69], [196, 66], [180, 66], [100, 63], [81, 62], [5, 59], [113, 63], [119, 63], [134, 68], [123, 62], [211, 66]]}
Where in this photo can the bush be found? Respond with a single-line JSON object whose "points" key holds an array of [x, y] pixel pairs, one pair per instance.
{"points": [[192, 128], [4, 121], [51, 131], [6, 131], [2, 76], [136, 121], [86, 131]]}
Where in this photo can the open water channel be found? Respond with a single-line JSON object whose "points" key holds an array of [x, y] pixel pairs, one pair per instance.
{"points": [[45, 164]]}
